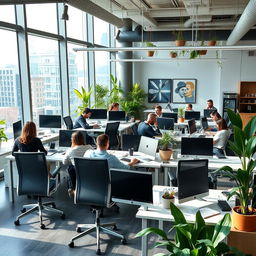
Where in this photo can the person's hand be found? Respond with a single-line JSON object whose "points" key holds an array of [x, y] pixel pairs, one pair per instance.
{"points": [[133, 161], [96, 126]]}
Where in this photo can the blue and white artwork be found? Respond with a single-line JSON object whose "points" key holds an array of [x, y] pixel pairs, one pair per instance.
{"points": [[159, 90]]}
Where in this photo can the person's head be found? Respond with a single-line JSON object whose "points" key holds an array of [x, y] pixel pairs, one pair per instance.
{"points": [[158, 110], [151, 118], [77, 139], [28, 132], [114, 107], [222, 124], [209, 103], [87, 112], [181, 89], [102, 141], [215, 116], [189, 107], [190, 88]]}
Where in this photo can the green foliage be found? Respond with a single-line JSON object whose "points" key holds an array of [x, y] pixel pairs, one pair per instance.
{"points": [[167, 139], [193, 239], [168, 194], [116, 91], [84, 96], [3, 136], [101, 93], [181, 112], [244, 146], [150, 44], [194, 54], [179, 35]]}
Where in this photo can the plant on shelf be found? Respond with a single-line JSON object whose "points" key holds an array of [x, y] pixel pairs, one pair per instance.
{"points": [[195, 239], [150, 53], [244, 146], [3, 136], [179, 38], [202, 52], [173, 54], [181, 115], [84, 96], [166, 144], [194, 54], [101, 93], [115, 94]]}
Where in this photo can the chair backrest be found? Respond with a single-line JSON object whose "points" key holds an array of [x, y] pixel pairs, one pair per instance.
{"points": [[32, 173], [130, 141], [112, 131], [68, 122], [92, 181], [135, 129]]}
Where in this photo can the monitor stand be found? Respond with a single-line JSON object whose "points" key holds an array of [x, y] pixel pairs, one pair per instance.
{"points": [[54, 130], [169, 106]]}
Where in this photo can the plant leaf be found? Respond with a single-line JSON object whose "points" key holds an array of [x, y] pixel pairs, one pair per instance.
{"points": [[250, 128], [156, 231], [235, 119]]}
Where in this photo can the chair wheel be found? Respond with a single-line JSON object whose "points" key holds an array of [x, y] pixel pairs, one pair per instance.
{"points": [[17, 222], [78, 230], [98, 252], [71, 244], [114, 227], [23, 210], [53, 205], [42, 226], [123, 241], [63, 216]]}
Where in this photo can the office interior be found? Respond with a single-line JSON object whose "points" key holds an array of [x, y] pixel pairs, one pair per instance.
{"points": [[39, 71]]}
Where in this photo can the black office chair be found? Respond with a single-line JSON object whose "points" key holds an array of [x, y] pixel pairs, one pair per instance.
{"points": [[112, 131], [130, 141], [68, 122], [93, 188], [135, 129], [33, 180]]}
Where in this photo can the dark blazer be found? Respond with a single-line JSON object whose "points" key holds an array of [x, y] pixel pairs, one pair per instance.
{"points": [[147, 130], [81, 123]]}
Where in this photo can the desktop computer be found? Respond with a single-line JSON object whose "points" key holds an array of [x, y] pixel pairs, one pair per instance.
{"points": [[204, 123], [192, 115], [192, 126], [171, 115], [207, 112], [65, 137], [165, 123], [116, 115], [49, 121], [98, 114], [17, 128]]}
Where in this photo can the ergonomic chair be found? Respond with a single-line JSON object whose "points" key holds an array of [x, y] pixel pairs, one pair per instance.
{"points": [[112, 131], [93, 188], [33, 180], [68, 122]]}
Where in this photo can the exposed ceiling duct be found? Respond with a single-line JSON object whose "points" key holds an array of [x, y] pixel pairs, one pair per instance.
{"points": [[245, 23]]}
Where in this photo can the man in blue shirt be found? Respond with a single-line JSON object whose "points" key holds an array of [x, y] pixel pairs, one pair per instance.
{"points": [[81, 120], [149, 127], [101, 152]]}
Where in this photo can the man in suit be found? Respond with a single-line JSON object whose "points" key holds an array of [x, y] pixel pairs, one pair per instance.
{"points": [[81, 120]]}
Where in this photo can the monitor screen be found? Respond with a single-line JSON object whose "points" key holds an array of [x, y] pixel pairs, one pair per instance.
{"points": [[192, 126], [204, 123], [17, 128], [99, 114], [131, 187], [49, 121], [192, 179], [165, 123], [207, 112], [171, 115], [130, 141], [116, 115], [197, 146], [192, 115], [65, 137]]}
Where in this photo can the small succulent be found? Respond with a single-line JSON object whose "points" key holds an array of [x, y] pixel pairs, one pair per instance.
{"points": [[168, 194]]}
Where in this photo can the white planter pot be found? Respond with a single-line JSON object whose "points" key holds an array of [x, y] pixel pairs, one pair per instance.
{"points": [[166, 202]]}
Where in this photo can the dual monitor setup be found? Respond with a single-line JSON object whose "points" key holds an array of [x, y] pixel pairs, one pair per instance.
{"points": [[103, 114]]}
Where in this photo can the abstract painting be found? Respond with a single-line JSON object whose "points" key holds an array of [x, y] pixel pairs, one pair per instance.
{"points": [[159, 90], [183, 90]]}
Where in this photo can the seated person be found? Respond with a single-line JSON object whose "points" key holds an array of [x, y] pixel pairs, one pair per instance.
{"points": [[189, 107], [149, 128], [113, 106], [210, 105], [78, 148], [101, 152], [220, 138], [81, 120], [215, 116], [158, 111]]}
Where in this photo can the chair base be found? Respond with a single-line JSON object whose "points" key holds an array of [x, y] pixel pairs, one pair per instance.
{"points": [[39, 207]]}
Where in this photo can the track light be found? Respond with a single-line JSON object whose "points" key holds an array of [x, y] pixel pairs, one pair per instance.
{"points": [[65, 13]]}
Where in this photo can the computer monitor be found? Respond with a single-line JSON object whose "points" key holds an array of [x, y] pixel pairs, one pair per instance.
{"points": [[49, 121], [17, 128], [192, 115], [116, 115], [171, 115], [65, 137], [165, 123], [192, 126], [197, 146], [130, 141], [99, 114], [192, 179], [131, 187], [207, 112], [148, 146], [204, 123]]}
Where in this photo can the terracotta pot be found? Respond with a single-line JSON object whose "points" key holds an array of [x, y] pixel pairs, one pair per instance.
{"points": [[165, 155], [150, 53], [180, 42], [202, 52], [243, 222], [212, 43], [166, 202], [181, 119], [173, 54]]}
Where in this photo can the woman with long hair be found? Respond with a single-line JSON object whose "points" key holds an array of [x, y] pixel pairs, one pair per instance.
{"points": [[113, 106]]}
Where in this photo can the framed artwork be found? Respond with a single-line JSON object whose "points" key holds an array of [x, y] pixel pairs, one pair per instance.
{"points": [[159, 90], [183, 90]]}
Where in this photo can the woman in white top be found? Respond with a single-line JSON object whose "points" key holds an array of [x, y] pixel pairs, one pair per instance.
{"points": [[78, 148], [220, 139]]}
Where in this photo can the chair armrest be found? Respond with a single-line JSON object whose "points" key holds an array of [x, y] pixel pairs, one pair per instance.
{"points": [[55, 172]]}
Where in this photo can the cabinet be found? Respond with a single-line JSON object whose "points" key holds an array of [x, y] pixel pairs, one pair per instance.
{"points": [[247, 101]]}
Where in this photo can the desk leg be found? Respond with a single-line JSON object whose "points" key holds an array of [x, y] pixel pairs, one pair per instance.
{"points": [[165, 176], [156, 176], [161, 224], [11, 194], [144, 239]]}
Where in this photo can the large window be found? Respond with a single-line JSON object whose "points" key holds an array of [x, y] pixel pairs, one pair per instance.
{"points": [[101, 32], [10, 90], [102, 68], [45, 76], [7, 13]]}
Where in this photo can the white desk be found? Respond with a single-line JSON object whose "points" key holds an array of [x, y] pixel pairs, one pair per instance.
{"points": [[160, 214]]}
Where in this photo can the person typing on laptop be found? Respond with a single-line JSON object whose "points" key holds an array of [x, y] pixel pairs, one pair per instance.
{"points": [[149, 127], [81, 120], [101, 152]]}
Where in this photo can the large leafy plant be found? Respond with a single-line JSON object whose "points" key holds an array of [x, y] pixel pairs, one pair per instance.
{"points": [[101, 93], [3, 136], [244, 146], [116, 92], [84, 96], [196, 239]]}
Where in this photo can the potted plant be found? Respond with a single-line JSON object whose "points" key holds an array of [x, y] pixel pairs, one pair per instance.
{"points": [[244, 146], [115, 94], [194, 54], [166, 143], [173, 54], [211, 43], [101, 93], [193, 239], [3, 136], [84, 96], [202, 52], [167, 198], [179, 39], [181, 115], [150, 53]]}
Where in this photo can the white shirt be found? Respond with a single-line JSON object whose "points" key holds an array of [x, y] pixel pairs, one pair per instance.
{"points": [[221, 138], [77, 151]]}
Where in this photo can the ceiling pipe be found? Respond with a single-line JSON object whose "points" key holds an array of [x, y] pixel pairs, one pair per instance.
{"points": [[245, 23]]}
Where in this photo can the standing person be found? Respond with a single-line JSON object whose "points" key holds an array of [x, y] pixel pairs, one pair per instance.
{"points": [[158, 111], [81, 120], [210, 105], [149, 127], [113, 106], [189, 107], [78, 148]]}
